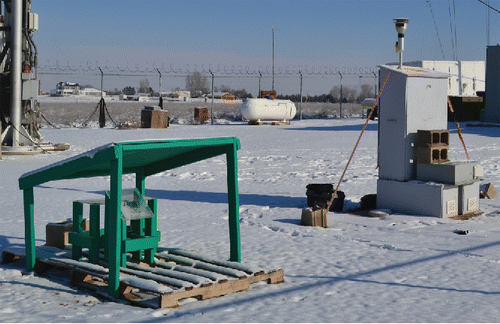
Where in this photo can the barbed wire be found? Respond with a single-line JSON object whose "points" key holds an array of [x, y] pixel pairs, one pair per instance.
{"points": [[226, 70]]}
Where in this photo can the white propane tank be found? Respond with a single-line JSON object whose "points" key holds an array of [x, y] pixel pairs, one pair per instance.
{"points": [[267, 109]]}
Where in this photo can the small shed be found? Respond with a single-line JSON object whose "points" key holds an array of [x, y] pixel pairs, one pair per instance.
{"points": [[143, 158]]}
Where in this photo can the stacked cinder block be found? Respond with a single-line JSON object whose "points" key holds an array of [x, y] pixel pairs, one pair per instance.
{"points": [[433, 146], [433, 166], [154, 117], [201, 114]]}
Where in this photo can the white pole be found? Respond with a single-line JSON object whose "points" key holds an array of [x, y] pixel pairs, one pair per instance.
{"points": [[16, 61]]}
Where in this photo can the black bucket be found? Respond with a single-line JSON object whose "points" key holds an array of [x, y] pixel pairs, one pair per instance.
{"points": [[319, 195]]}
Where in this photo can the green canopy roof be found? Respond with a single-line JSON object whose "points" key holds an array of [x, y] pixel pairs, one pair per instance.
{"points": [[150, 157]]}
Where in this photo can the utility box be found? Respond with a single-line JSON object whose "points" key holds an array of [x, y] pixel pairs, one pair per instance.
{"points": [[418, 198], [413, 99], [154, 117], [468, 198], [492, 111], [453, 173]]}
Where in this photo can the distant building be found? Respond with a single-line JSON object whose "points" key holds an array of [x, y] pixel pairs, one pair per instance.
{"points": [[466, 77], [217, 95], [65, 88], [181, 94], [91, 92]]}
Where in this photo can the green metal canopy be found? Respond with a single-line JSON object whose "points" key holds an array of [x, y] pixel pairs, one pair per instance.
{"points": [[144, 158]]}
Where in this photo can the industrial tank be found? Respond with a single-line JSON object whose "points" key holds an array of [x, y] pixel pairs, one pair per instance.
{"points": [[267, 109]]}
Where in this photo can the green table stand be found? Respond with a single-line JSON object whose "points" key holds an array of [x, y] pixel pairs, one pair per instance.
{"points": [[138, 236]]}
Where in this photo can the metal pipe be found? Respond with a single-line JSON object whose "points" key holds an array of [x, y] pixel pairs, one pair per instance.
{"points": [[16, 69], [401, 42], [300, 72], [341, 95], [273, 58], [212, 107]]}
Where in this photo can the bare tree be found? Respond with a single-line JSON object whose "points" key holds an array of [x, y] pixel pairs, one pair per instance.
{"points": [[144, 86], [366, 92], [197, 84], [349, 94], [335, 92]]}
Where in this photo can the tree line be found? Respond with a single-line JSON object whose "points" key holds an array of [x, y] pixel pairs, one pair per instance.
{"points": [[197, 84]]}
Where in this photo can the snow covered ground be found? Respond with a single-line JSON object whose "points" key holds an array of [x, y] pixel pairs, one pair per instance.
{"points": [[398, 268]]}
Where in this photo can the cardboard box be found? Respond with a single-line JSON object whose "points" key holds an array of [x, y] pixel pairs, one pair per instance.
{"points": [[314, 217], [488, 191], [56, 234]]}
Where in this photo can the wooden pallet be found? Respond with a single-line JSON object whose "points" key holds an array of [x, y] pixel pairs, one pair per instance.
{"points": [[176, 275]]}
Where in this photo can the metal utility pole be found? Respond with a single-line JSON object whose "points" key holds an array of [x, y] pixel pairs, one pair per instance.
{"points": [[273, 57], [212, 107], [341, 95], [260, 84], [102, 112], [18, 64], [159, 91], [300, 72], [16, 60]]}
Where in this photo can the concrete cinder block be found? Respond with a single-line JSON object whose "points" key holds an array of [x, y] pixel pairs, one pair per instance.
{"points": [[468, 198], [488, 191], [314, 217], [56, 234], [430, 154], [154, 118], [433, 137], [452, 173], [418, 198], [201, 114]]}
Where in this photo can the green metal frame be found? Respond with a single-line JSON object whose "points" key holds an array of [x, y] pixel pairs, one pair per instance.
{"points": [[144, 158]]}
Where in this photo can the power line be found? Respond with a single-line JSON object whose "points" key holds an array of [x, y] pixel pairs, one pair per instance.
{"points": [[437, 32], [487, 5], [455, 29], [453, 45]]}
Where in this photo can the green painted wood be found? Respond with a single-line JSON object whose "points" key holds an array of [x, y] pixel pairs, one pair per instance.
{"points": [[29, 228], [81, 239], [234, 205], [144, 158], [76, 249], [150, 229], [141, 243], [114, 225], [95, 232], [97, 162]]}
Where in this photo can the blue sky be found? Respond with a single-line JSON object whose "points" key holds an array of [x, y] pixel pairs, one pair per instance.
{"points": [[336, 33]]}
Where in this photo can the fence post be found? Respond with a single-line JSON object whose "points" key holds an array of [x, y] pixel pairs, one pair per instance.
{"points": [[212, 108], [300, 72]]}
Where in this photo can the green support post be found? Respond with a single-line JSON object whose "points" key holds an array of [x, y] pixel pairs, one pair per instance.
{"points": [[95, 233], [234, 204], [150, 230], [137, 226], [76, 250], [29, 228], [114, 223]]}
